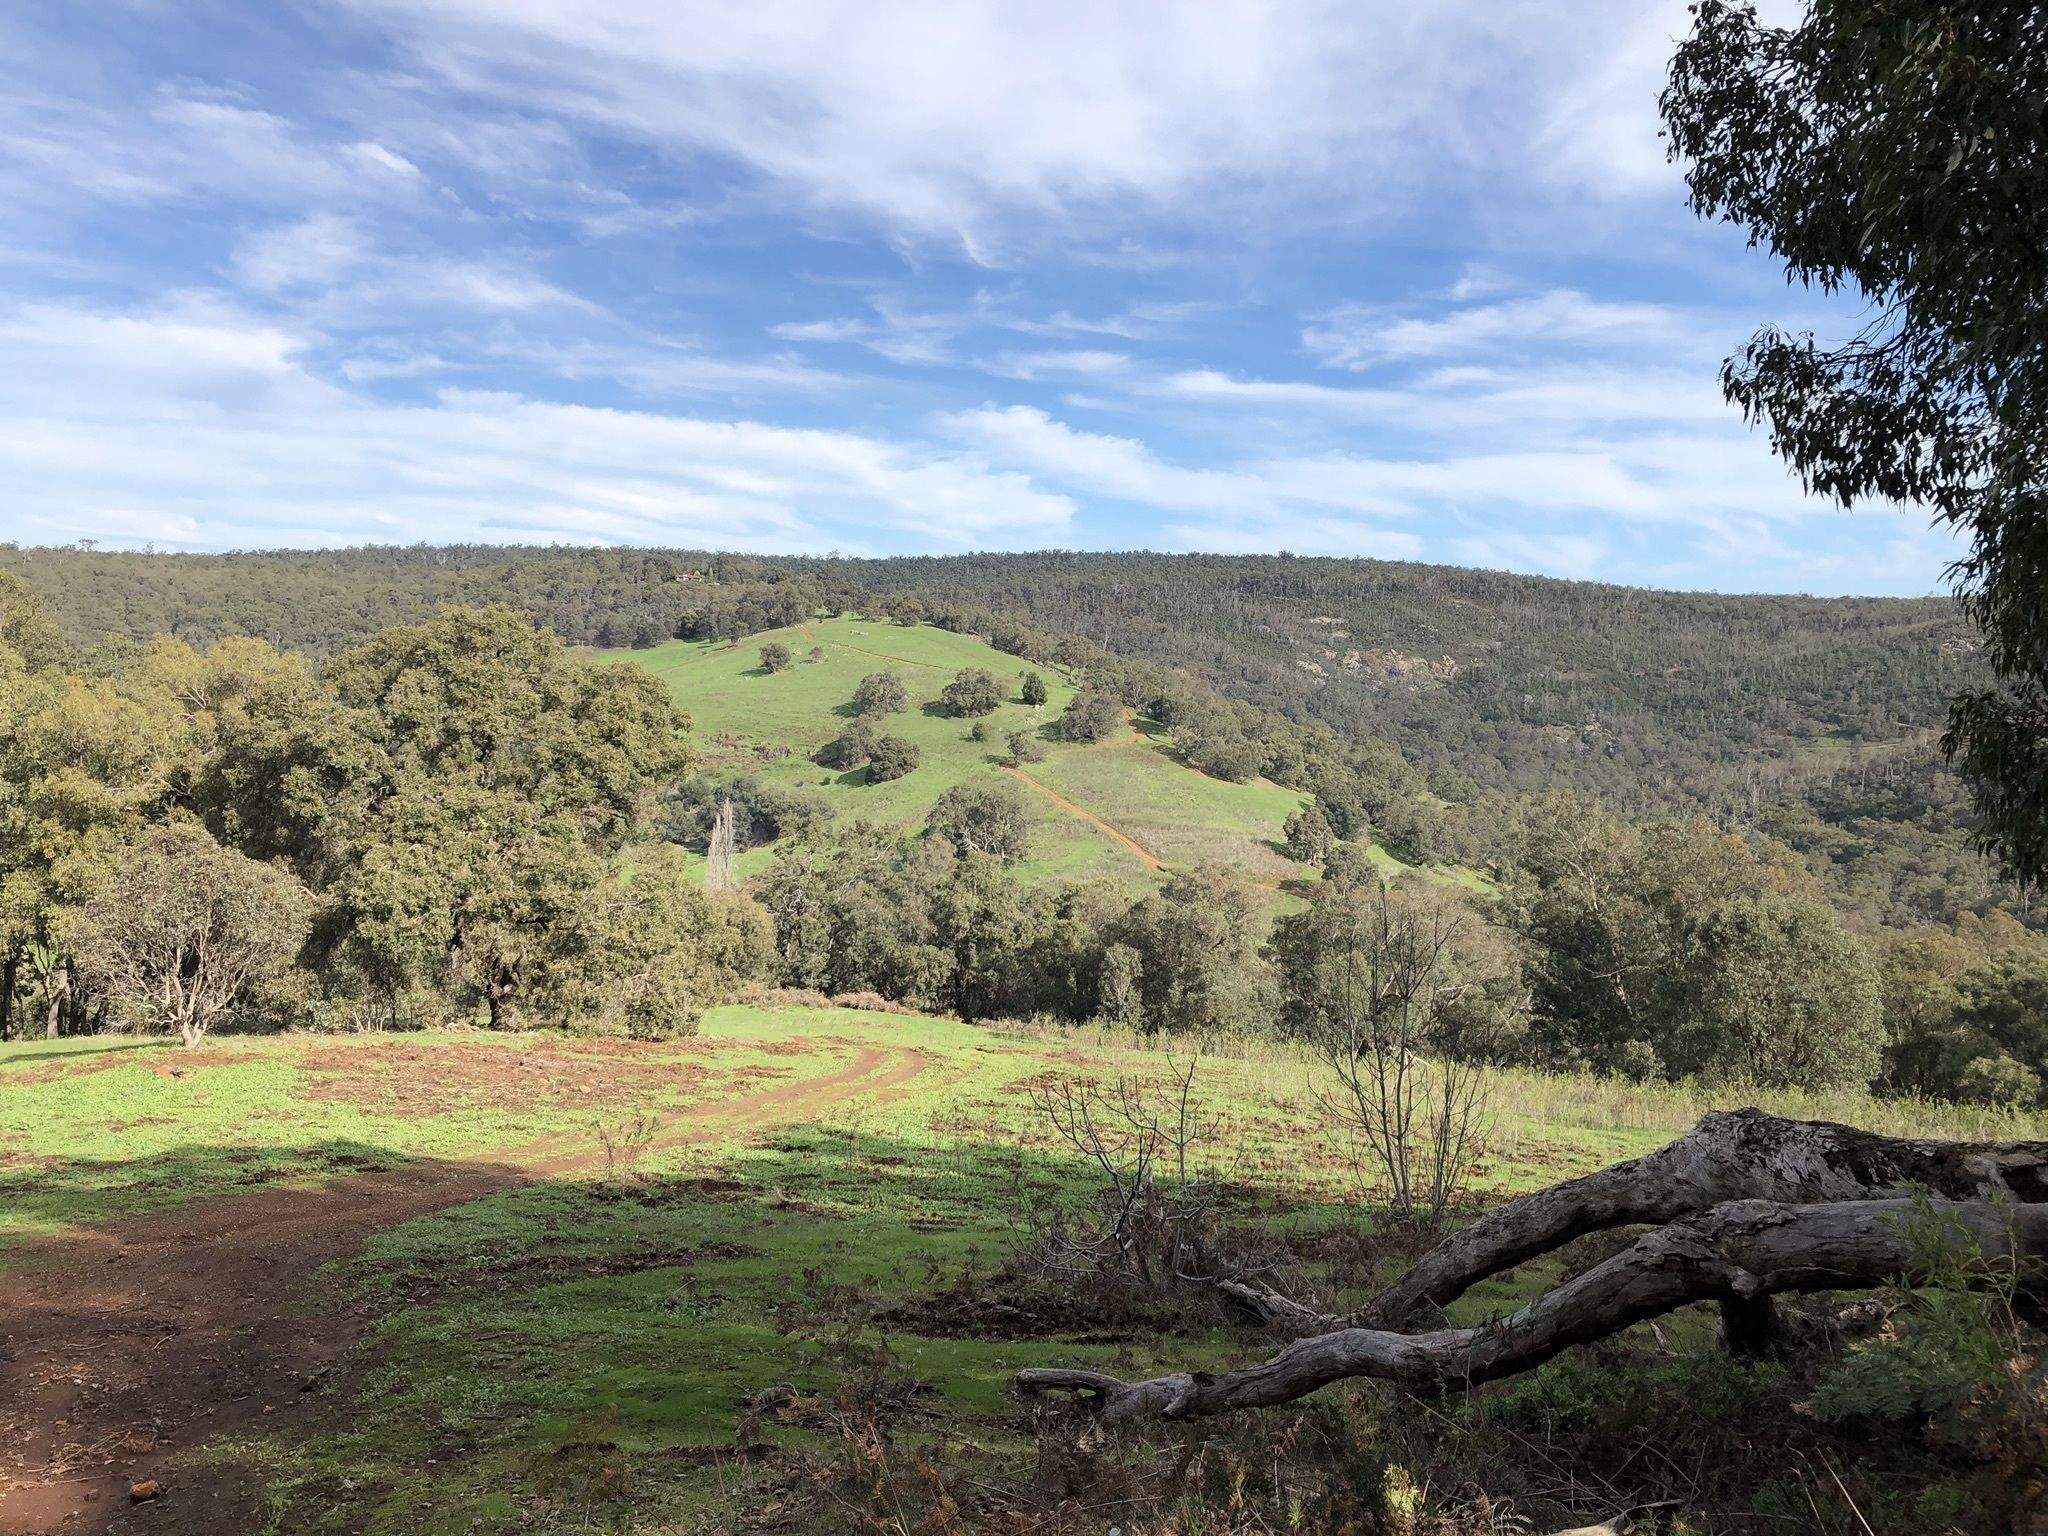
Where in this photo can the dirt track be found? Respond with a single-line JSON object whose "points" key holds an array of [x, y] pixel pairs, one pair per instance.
{"points": [[125, 1345], [1093, 820]]}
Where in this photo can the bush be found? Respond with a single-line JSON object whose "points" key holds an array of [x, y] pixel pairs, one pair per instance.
{"points": [[973, 691], [1025, 747], [891, 758], [1092, 716], [776, 657], [1033, 691]]}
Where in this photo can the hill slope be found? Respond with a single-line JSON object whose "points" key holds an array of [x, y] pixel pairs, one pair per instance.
{"points": [[1118, 810], [1654, 700]]}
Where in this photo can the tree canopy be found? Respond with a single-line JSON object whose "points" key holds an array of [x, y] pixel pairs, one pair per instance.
{"points": [[1898, 149]]}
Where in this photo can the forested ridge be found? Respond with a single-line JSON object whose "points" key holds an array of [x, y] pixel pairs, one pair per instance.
{"points": [[1810, 719], [1540, 671]]}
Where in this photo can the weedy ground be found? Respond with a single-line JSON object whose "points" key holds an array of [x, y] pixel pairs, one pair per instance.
{"points": [[807, 1321]]}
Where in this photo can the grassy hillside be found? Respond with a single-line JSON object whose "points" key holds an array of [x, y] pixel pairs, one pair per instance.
{"points": [[1116, 810], [547, 1334], [1647, 698]]}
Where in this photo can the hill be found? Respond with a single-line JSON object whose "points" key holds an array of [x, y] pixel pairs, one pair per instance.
{"points": [[1505, 681], [1117, 810]]}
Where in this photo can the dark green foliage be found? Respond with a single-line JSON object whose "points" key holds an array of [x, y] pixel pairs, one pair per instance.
{"points": [[26, 627], [851, 748], [1025, 747], [1309, 835], [973, 691], [459, 795], [1683, 950], [1091, 715], [763, 811], [915, 921], [891, 757], [975, 819], [1196, 940], [1033, 690], [980, 731], [880, 693], [776, 657], [644, 957], [1898, 149]]}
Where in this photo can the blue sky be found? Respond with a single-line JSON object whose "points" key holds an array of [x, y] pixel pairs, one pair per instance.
{"points": [[1411, 282]]}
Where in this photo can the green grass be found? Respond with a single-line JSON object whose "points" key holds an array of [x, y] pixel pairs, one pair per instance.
{"points": [[1132, 782], [577, 1354], [96, 1128]]}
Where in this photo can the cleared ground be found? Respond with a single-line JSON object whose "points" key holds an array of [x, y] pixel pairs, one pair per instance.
{"points": [[473, 1283]]}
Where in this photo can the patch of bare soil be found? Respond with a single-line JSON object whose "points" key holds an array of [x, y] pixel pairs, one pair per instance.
{"points": [[123, 1347], [416, 1079]]}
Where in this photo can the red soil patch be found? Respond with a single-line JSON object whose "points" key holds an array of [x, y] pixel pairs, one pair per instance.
{"points": [[123, 1346]]}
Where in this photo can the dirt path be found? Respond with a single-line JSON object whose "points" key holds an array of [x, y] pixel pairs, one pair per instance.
{"points": [[123, 1346], [1090, 817]]}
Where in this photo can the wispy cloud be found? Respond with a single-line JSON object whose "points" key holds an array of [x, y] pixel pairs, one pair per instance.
{"points": [[217, 424]]}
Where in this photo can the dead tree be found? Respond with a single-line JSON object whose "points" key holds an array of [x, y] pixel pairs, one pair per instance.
{"points": [[1741, 1154], [1755, 1206]]}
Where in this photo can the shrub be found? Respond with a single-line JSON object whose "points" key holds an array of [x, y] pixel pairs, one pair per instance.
{"points": [[1092, 716], [973, 691], [891, 758], [776, 657]]}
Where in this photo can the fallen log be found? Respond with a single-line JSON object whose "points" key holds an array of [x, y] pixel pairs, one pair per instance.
{"points": [[1737, 1251], [1742, 1154]]}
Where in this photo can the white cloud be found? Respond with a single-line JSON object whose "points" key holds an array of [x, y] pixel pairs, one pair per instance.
{"points": [[1555, 554], [980, 120], [207, 427], [1067, 363], [1359, 336], [318, 249]]}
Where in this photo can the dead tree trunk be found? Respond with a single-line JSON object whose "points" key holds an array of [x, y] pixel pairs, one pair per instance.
{"points": [[1741, 1154], [1739, 1251]]}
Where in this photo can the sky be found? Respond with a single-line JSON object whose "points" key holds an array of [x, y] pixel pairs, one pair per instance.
{"points": [[1412, 282]]}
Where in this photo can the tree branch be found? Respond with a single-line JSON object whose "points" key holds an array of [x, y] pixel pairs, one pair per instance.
{"points": [[1742, 1154], [1737, 1251]]}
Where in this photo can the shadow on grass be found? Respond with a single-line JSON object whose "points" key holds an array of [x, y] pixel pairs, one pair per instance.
{"points": [[83, 1052], [75, 1192]]}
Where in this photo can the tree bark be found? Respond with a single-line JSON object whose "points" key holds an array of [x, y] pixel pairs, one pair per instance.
{"points": [[1741, 1154], [1739, 1251]]}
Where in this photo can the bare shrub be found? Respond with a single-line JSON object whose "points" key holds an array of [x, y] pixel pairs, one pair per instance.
{"points": [[868, 1002], [1153, 1221], [1409, 1015]]}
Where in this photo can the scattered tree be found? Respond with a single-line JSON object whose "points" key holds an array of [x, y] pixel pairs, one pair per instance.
{"points": [[1091, 715], [187, 927], [851, 748], [1309, 835], [973, 691], [891, 758], [1025, 747], [1033, 691], [776, 657], [1407, 999], [880, 693], [975, 819]]}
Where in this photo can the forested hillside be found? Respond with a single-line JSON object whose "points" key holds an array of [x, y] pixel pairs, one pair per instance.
{"points": [[1813, 720], [1505, 680]]}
